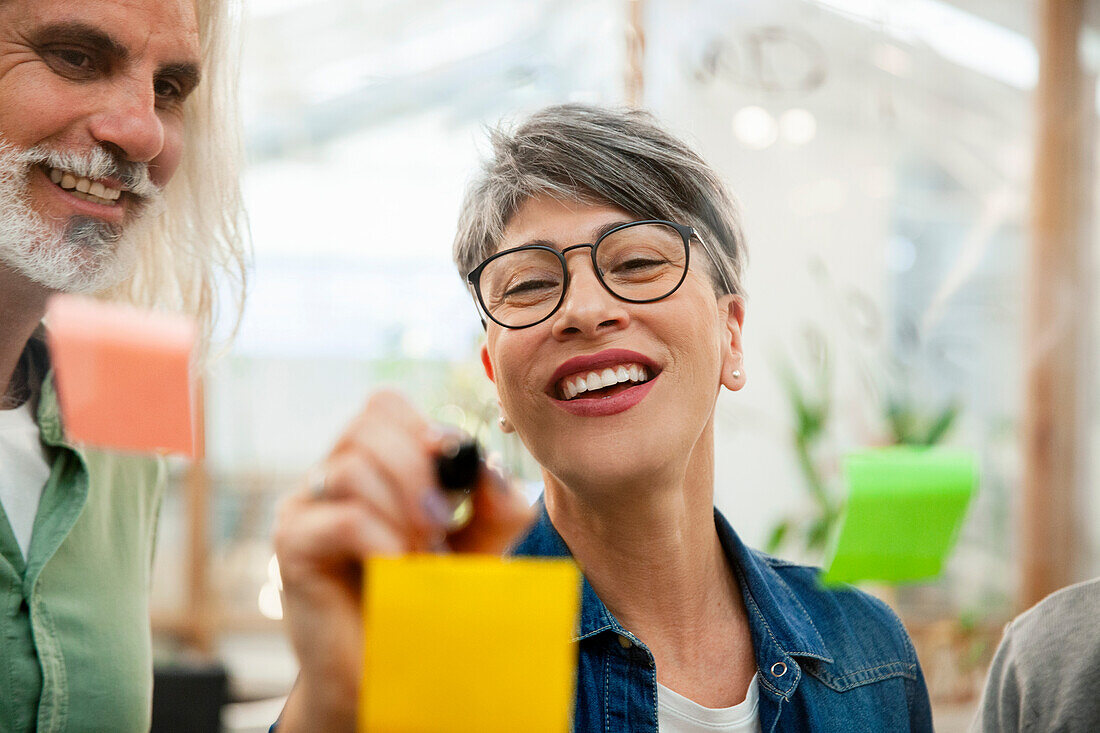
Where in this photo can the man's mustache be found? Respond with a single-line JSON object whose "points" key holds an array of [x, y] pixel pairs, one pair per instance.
{"points": [[97, 163]]}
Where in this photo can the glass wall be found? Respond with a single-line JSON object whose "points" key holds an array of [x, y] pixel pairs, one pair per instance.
{"points": [[881, 154]]}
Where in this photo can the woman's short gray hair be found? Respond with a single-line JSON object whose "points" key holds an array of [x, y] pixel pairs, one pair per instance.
{"points": [[622, 158]]}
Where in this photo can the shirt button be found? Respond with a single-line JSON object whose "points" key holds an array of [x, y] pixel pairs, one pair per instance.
{"points": [[779, 669], [624, 642]]}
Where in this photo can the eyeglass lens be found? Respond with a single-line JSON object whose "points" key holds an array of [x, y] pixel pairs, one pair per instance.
{"points": [[642, 262]]}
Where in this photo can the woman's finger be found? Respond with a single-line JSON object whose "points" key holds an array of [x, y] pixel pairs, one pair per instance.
{"points": [[316, 534], [350, 475], [406, 464]]}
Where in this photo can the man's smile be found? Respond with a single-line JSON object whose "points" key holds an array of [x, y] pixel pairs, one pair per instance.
{"points": [[97, 192]]}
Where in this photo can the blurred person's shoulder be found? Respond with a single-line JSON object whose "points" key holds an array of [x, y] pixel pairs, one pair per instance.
{"points": [[1055, 643], [1064, 613], [1046, 670]]}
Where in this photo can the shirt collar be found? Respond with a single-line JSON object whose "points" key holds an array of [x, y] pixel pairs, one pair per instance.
{"points": [[48, 412], [781, 627]]}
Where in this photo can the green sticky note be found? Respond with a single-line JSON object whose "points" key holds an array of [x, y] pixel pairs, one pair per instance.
{"points": [[905, 505]]}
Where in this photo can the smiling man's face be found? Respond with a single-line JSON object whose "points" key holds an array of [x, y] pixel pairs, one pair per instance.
{"points": [[91, 129]]}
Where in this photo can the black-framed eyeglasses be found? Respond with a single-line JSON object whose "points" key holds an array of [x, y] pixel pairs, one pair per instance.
{"points": [[639, 262]]}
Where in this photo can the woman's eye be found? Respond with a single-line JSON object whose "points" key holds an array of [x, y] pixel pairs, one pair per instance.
{"points": [[529, 286], [638, 263]]}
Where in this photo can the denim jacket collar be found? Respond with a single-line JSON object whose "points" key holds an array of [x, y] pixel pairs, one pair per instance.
{"points": [[780, 625]]}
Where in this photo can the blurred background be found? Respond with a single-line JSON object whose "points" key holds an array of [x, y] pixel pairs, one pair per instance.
{"points": [[917, 183]]}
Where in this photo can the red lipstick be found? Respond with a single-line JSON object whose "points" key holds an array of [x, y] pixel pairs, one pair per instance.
{"points": [[603, 406], [597, 361]]}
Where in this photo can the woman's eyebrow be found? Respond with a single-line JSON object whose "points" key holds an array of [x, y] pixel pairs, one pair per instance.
{"points": [[596, 234], [602, 230]]}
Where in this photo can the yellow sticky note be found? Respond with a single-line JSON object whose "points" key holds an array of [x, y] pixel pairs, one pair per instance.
{"points": [[469, 643]]}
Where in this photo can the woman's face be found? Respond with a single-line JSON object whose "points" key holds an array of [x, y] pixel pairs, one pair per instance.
{"points": [[688, 344]]}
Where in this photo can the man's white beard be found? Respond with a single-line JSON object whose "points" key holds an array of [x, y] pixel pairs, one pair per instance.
{"points": [[81, 254]]}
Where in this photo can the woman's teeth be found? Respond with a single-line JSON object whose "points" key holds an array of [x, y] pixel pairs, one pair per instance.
{"points": [[84, 188], [577, 384]]}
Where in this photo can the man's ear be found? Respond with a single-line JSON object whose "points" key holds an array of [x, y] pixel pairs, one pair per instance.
{"points": [[733, 366], [485, 362]]}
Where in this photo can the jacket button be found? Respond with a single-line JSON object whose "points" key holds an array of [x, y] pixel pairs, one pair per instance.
{"points": [[779, 669], [624, 642]]}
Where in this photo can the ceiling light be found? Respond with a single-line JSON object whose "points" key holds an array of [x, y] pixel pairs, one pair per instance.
{"points": [[797, 126], [755, 127]]}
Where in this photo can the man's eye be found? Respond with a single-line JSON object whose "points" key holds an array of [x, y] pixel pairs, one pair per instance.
{"points": [[167, 89], [74, 58]]}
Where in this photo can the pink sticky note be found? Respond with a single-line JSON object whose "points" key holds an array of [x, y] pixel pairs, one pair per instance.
{"points": [[123, 375]]}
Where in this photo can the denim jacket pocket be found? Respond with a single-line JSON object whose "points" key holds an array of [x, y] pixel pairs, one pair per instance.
{"points": [[842, 680]]}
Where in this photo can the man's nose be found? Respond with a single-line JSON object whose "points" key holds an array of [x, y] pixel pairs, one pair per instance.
{"points": [[129, 122], [589, 307]]}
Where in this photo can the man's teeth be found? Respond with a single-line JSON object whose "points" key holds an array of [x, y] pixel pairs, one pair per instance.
{"points": [[84, 188], [577, 384]]}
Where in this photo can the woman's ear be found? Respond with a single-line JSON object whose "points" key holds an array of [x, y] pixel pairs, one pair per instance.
{"points": [[487, 363], [733, 366]]}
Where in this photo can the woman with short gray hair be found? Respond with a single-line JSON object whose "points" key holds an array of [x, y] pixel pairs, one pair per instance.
{"points": [[580, 153], [605, 259]]}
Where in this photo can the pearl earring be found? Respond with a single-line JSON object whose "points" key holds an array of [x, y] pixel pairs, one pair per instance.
{"points": [[736, 373]]}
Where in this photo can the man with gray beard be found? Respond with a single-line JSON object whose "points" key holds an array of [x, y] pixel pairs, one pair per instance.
{"points": [[117, 178], [86, 254]]}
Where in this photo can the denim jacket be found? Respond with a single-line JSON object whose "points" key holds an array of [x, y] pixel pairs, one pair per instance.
{"points": [[827, 659]]}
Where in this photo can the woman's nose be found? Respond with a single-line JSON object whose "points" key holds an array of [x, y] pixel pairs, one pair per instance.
{"points": [[589, 308]]}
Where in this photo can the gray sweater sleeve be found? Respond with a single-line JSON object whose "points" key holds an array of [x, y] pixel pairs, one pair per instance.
{"points": [[1045, 675]]}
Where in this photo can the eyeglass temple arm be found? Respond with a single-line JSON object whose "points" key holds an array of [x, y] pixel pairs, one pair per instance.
{"points": [[477, 304], [721, 273]]}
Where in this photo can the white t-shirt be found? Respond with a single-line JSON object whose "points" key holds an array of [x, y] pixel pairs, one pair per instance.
{"points": [[678, 714], [24, 469]]}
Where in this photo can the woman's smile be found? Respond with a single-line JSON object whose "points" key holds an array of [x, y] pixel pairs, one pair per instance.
{"points": [[607, 401], [604, 383]]}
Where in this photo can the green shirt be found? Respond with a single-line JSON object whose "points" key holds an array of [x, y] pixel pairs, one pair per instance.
{"points": [[74, 616]]}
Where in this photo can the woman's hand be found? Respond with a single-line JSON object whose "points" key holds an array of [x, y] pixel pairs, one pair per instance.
{"points": [[380, 496]]}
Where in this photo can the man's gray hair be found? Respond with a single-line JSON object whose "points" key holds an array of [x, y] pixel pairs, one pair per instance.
{"points": [[201, 240], [596, 155]]}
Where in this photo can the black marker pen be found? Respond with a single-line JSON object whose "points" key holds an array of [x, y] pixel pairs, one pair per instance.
{"points": [[457, 467]]}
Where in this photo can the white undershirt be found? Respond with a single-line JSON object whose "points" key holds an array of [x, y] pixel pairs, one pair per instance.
{"points": [[678, 714], [24, 470]]}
